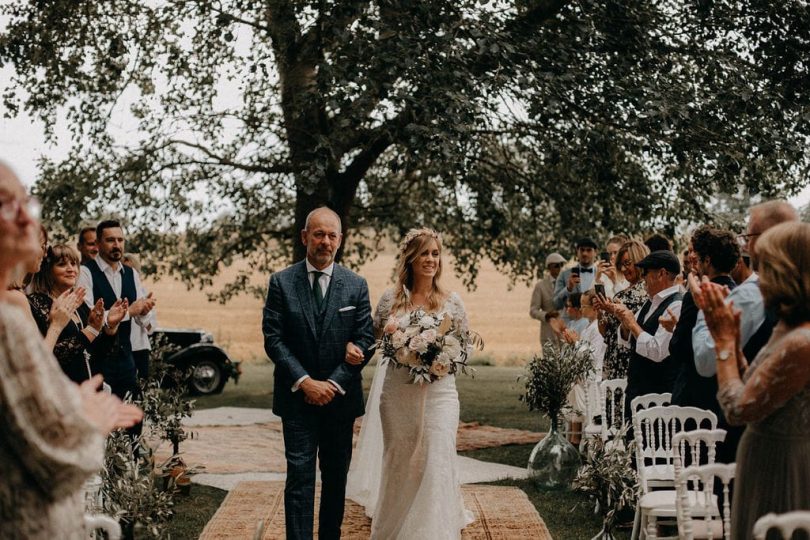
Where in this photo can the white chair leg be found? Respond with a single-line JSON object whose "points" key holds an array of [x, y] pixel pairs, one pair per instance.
{"points": [[652, 528]]}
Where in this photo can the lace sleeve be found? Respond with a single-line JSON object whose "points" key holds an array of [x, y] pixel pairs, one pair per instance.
{"points": [[383, 310], [778, 376]]}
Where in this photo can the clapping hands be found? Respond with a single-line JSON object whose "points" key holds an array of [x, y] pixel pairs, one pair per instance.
{"points": [[116, 314], [142, 306], [64, 306]]}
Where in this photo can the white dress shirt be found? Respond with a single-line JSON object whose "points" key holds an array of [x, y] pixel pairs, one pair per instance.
{"points": [[594, 339], [655, 347], [323, 281]]}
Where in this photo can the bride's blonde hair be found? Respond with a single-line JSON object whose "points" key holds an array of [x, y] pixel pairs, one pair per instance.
{"points": [[414, 243]]}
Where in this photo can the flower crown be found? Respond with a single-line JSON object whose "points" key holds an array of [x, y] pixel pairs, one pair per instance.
{"points": [[413, 234]]}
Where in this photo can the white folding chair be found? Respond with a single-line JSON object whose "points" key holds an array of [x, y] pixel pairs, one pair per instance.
{"points": [[110, 526], [654, 430], [700, 500], [592, 409], [787, 523], [611, 395], [646, 401]]}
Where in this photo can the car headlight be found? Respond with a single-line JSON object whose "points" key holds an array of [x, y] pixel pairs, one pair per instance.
{"points": [[206, 337]]}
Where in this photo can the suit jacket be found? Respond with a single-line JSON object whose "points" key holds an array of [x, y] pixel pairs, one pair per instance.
{"points": [[541, 304], [302, 342]]}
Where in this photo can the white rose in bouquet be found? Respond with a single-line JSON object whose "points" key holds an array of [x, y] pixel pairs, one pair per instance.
{"points": [[399, 339], [427, 322], [412, 331], [407, 357], [429, 335], [452, 347], [418, 344], [439, 369]]}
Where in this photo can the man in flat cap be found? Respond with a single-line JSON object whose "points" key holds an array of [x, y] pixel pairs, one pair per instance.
{"points": [[542, 307], [651, 368]]}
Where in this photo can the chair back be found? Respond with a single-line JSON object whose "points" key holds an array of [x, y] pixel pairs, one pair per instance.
{"points": [[611, 394], [787, 523], [649, 400], [654, 429], [695, 497]]}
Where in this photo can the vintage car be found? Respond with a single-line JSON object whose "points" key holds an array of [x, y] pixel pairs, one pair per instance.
{"points": [[194, 351]]}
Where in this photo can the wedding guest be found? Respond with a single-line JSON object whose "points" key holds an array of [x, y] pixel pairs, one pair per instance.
{"points": [[607, 272], [771, 396], [142, 327], [579, 278], [715, 253], [756, 323], [51, 430], [542, 306], [658, 242], [651, 368], [87, 244], [617, 358], [576, 323], [591, 336], [106, 278], [24, 273], [71, 329]]}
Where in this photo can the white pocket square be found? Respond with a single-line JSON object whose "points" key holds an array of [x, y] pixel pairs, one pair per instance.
{"points": [[347, 308]]}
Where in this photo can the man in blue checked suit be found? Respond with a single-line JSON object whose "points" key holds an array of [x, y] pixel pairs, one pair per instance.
{"points": [[318, 332]]}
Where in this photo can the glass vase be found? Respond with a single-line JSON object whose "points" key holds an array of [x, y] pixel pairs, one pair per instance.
{"points": [[554, 461], [604, 534]]}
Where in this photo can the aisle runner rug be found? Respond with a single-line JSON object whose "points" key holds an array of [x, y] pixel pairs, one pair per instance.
{"points": [[260, 447], [502, 513]]}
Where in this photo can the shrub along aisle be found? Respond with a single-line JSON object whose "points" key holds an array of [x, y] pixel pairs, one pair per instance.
{"points": [[492, 398]]}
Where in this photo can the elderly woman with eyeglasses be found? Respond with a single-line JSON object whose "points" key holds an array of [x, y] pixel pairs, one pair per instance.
{"points": [[617, 358], [51, 430], [70, 327]]}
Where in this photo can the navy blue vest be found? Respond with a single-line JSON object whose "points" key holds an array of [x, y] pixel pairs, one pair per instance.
{"points": [[643, 375], [120, 374]]}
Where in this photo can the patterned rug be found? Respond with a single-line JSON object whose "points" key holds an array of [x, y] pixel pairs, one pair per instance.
{"points": [[502, 513], [260, 447]]}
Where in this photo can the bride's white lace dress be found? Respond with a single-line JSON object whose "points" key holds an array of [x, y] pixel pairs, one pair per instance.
{"points": [[405, 469]]}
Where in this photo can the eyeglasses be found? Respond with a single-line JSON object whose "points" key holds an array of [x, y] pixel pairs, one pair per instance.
{"points": [[742, 239], [627, 263], [10, 208]]}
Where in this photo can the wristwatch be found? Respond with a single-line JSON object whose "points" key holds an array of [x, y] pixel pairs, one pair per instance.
{"points": [[723, 355]]}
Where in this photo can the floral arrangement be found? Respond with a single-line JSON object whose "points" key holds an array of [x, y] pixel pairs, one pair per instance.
{"points": [[607, 477], [549, 378], [430, 346]]}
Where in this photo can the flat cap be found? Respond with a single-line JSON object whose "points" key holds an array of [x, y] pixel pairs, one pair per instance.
{"points": [[586, 242], [555, 258], [661, 259]]}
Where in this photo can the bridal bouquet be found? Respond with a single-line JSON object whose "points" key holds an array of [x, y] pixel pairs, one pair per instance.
{"points": [[430, 346]]}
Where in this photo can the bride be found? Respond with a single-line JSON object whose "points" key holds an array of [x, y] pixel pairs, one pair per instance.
{"points": [[405, 470]]}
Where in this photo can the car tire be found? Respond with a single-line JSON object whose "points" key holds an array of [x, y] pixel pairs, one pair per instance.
{"points": [[206, 377]]}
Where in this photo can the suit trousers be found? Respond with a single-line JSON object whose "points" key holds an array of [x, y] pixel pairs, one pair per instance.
{"points": [[305, 437]]}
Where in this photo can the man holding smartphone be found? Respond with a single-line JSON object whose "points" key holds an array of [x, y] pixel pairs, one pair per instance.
{"points": [[579, 278]]}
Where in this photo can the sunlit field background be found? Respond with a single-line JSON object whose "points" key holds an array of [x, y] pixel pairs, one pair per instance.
{"points": [[497, 312]]}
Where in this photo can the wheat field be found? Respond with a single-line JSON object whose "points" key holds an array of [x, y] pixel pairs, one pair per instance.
{"points": [[499, 314]]}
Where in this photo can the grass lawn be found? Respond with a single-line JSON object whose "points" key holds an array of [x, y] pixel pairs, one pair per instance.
{"points": [[490, 398]]}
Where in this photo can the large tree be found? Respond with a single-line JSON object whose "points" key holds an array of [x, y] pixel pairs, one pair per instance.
{"points": [[513, 125]]}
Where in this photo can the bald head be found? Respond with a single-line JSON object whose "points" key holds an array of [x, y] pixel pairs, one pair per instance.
{"points": [[321, 214], [762, 217]]}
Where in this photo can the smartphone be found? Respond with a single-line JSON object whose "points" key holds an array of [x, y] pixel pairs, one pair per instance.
{"points": [[599, 288], [605, 256], [575, 271]]}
